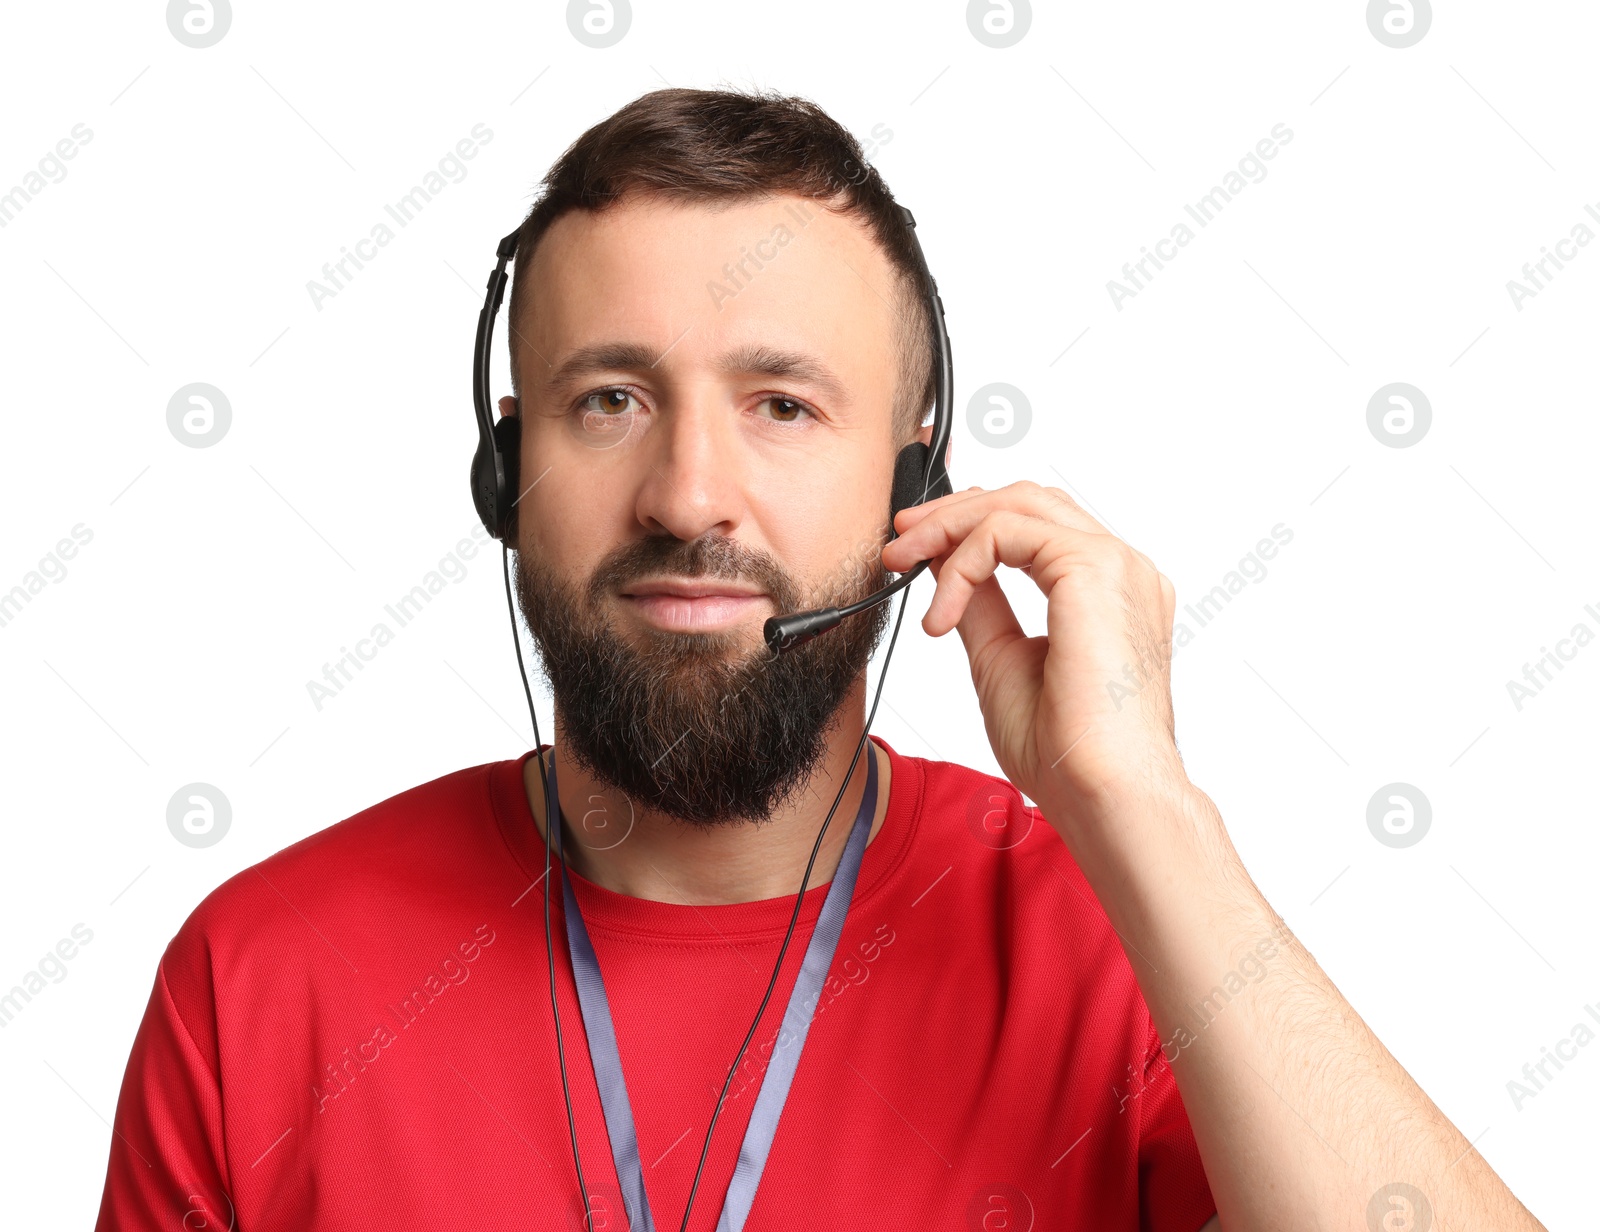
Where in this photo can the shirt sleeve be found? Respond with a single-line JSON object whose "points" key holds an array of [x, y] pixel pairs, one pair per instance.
{"points": [[1174, 1195], [168, 1167]]}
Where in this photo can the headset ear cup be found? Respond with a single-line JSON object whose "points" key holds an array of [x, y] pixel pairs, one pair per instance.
{"points": [[508, 447], [483, 487], [910, 470]]}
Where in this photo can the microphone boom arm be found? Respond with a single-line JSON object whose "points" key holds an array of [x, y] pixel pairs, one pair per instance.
{"points": [[786, 632]]}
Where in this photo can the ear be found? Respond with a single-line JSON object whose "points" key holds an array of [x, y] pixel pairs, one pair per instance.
{"points": [[925, 435], [508, 405]]}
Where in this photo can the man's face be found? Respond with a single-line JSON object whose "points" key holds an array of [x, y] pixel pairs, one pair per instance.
{"points": [[707, 400]]}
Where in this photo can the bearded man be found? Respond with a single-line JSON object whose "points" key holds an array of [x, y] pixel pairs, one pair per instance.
{"points": [[975, 1012]]}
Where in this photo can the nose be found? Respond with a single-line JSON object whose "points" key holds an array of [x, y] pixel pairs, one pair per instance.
{"points": [[693, 477]]}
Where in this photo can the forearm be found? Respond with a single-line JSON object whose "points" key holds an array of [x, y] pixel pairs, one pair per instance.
{"points": [[1302, 1116]]}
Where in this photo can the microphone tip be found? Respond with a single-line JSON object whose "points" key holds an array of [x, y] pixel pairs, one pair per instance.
{"points": [[786, 632]]}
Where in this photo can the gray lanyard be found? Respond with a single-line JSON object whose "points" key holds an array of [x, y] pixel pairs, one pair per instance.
{"points": [[775, 1082]]}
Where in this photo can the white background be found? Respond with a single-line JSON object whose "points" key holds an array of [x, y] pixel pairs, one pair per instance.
{"points": [[1222, 400]]}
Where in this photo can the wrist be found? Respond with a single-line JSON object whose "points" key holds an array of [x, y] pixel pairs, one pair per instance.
{"points": [[1131, 829]]}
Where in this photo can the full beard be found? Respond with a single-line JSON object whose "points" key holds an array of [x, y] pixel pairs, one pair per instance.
{"points": [[688, 725]]}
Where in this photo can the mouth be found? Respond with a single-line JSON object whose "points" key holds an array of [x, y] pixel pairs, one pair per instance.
{"points": [[692, 604]]}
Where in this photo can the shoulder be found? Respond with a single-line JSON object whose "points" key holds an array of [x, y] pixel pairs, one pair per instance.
{"points": [[326, 899]]}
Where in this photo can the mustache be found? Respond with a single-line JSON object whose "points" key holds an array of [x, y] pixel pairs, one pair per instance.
{"points": [[708, 556]]}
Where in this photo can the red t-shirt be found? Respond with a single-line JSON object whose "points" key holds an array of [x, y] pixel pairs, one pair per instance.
{"points": [[356, 1034]]}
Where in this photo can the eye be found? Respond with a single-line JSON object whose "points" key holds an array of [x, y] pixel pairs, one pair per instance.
{"points": [[785, 410], [608, 403]]}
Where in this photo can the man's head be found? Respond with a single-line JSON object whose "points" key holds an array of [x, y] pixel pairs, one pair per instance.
{"points": [[719, 341]]}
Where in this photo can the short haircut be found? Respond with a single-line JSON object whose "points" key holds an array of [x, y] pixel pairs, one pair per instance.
{"points": [[692, 146]]}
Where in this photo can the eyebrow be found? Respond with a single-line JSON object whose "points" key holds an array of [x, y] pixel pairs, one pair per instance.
{"points": [[602, 357], [753, 359], [759, 360]]}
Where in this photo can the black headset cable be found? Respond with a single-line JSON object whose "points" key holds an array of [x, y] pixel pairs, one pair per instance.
{"points": [[566, 1090]]}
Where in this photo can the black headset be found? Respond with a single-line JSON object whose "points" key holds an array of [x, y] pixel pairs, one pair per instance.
{"points": [[919, 470], [919, 475]]}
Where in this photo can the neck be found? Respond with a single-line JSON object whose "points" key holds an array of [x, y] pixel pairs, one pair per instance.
{"points": [[666, 860]]}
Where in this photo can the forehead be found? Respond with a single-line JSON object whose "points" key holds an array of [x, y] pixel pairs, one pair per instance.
{"points": [[705, 278]]}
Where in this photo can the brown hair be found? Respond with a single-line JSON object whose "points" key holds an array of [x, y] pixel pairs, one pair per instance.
{"points": [[709, 145]]}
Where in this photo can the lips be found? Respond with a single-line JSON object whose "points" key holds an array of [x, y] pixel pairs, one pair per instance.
{"points": [[690, 588], [692, 604]]}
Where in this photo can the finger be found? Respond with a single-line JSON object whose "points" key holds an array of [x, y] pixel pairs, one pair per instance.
{"points": [[911, 514], [988, 622], [1003, 537], [946, 526], [1055, 504], [1051, 504], [1077, 515]]}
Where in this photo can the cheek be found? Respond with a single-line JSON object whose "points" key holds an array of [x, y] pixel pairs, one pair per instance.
{"points": [[827, 542], [570, 526]]}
